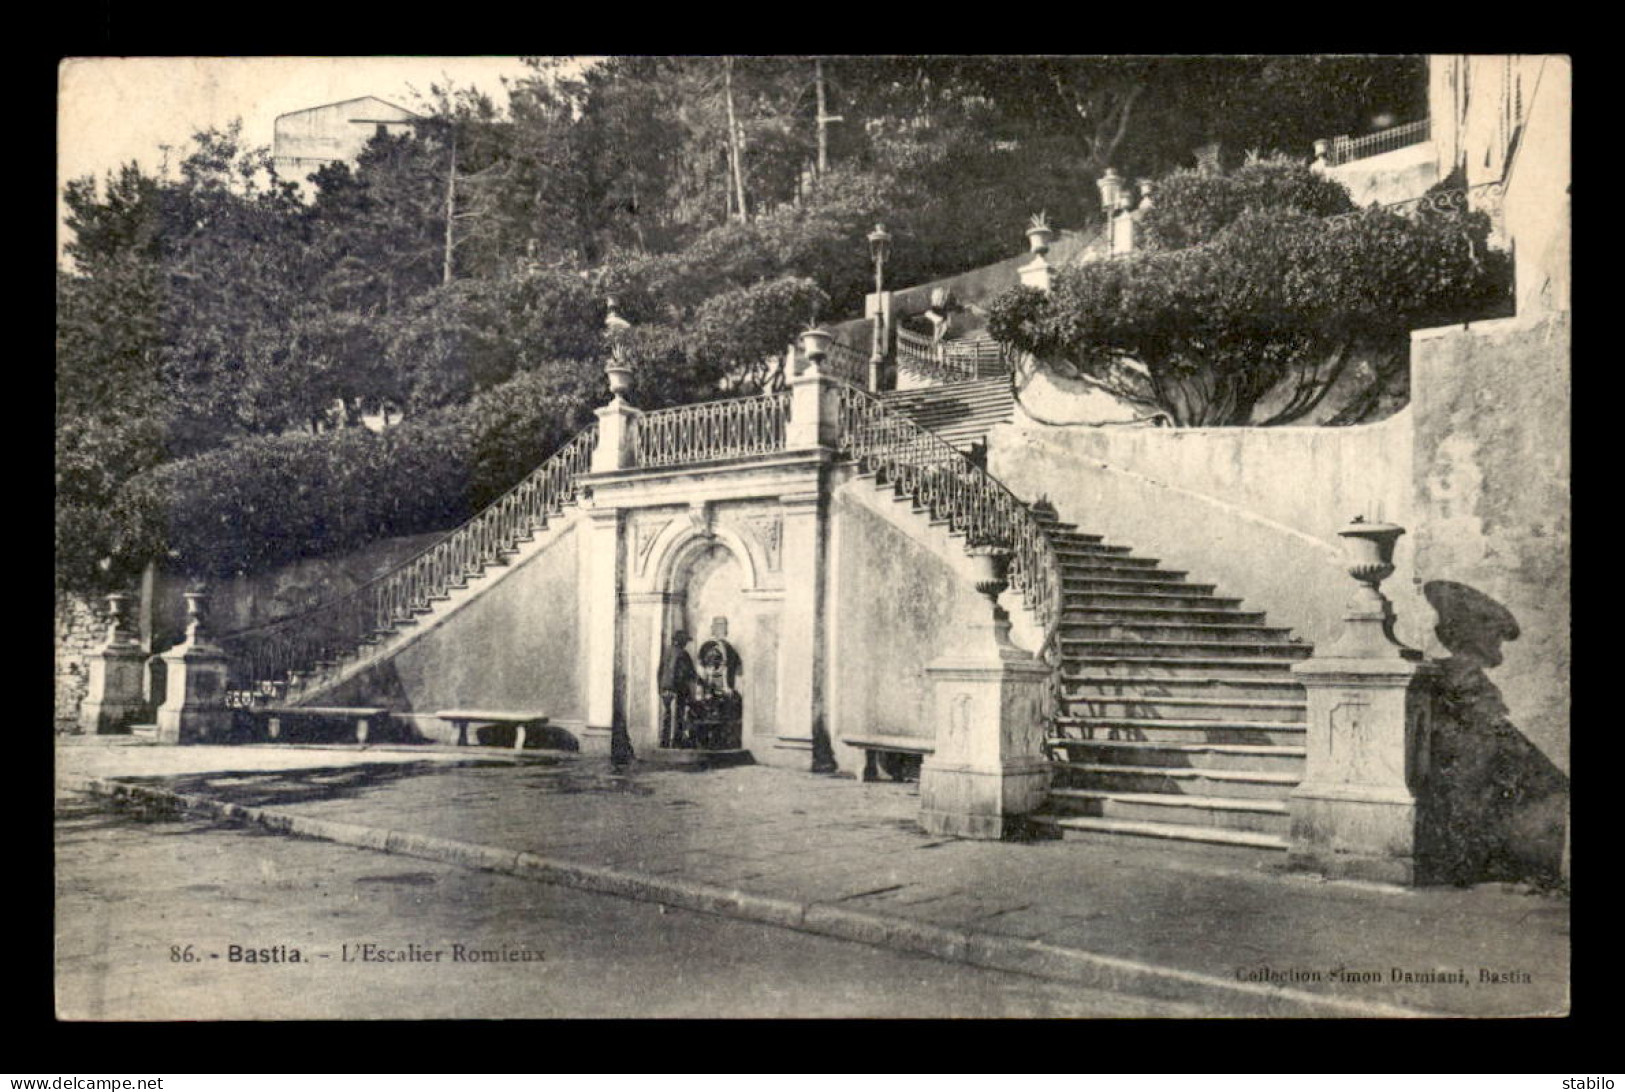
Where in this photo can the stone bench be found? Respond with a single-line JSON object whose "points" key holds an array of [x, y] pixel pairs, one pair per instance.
{"points": [[893, 748], [520, 719], [362, 715]]}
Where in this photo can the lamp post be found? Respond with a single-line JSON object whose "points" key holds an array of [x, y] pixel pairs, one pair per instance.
{"points": [[879, 248], [1111, 192]]}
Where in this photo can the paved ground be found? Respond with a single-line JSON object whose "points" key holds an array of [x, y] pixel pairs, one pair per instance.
{"points": [[133, 892], [1220, 913]]}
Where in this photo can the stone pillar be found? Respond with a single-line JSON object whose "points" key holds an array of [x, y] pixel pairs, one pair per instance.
{"points": [[601, 610], [987, 708], [194, 709], [1037, 273], [814, 411], [1356, 814], [114, 698], [802, 723], [1123, 229], [616, 423]]}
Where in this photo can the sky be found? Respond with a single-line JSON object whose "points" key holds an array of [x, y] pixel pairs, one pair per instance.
{"points": [[111, 110]]}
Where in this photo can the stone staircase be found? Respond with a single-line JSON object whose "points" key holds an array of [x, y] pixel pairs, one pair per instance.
{"points": [[960, 413], [1178, 717]]}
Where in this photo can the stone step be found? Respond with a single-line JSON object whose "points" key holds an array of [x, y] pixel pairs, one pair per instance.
{"points": [[1092, 550], [1141, 675], [1075, 580], [1241, 784], [1082, 706], [1260, 816], [1144, 569], [1097, 649], [1172, 831], [1158, 630], [981, 410], [1151, 601], [1264, 757], [1148, 730]]}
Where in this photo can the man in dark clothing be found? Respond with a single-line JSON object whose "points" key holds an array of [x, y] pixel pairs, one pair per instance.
{"points": [[678, 681]]}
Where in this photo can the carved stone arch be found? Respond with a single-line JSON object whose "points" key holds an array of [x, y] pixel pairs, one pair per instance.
{"points": [[682, 544]]}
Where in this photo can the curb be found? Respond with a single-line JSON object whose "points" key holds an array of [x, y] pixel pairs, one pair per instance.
{"points": [[993, 951]]}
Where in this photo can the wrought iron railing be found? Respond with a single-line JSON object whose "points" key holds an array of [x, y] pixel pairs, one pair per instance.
{"points": [[1347, 149], [711, 430], [848, 363], [262, 660], [1485, 197], [928, 359], [942, 480], [979, 357]]}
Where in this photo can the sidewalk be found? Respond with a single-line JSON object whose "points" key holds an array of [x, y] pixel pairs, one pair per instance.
{"points": [[1220, 925]]}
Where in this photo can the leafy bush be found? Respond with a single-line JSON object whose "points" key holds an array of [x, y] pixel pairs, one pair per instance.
{"points": [[270, 500], [1191, 207], [1276, 294]]}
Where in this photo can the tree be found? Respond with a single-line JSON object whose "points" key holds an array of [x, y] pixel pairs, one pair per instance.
{"points": [[1268, 296]]}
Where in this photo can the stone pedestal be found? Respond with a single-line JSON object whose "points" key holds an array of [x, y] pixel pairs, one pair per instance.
{"points": [[988, 767], [814, 412], [1356, 814], [614, 450], [114, 699], [194, 709], [1037, 273]]}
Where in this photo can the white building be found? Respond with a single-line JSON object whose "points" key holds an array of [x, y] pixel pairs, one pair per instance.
{"points": [[306, 140]]}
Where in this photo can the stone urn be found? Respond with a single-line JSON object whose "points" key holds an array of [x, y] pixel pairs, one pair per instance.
{"points": [[619, 373], [1370, 549], [815, 345], [992, 567], [1368, 630], [118, 612], [1040, 235]]}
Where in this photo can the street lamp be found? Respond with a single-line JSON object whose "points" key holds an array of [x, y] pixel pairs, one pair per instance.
{"points": [[879, 248], [1111, 192]]}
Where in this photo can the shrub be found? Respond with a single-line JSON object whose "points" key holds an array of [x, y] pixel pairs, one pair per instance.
{"points": [[271, 500]]}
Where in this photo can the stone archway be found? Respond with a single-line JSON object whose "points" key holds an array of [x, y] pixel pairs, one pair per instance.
{"points": [[708, 605], [698, 581]]}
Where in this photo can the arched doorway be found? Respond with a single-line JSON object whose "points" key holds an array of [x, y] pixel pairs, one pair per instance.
{"points": [[704, 676]]}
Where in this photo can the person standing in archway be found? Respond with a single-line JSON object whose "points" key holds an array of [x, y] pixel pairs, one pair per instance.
{"points": [[679, 685]]}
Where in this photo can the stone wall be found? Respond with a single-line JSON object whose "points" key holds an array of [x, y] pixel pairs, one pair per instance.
{"points": [[900, 596], [1492, 558], [1393, 176], [81, 628], [516, 646], [1536, 207], [245, 601], [1254, 510]]}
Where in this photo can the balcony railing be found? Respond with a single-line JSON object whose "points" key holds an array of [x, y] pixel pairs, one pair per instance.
{"points": [[1485, 197], [950, 361], [1347, 149], [848, 363], [711, 430]]}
